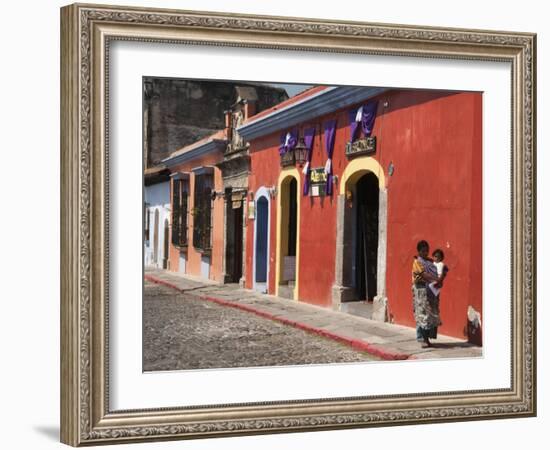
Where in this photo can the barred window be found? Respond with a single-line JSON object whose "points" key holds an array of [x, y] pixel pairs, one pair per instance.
{"points": [[179, 212], [202, 212]]}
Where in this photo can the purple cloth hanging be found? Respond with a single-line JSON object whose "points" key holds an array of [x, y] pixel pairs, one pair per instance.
{"points": [[289, 139], [353, 124], [330, 135], [282, 146], [309, 136], [369, 116], [365, 116]]}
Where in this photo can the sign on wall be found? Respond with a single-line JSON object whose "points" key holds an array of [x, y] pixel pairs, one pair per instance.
{"points": [[318, 181], [361, 147]]}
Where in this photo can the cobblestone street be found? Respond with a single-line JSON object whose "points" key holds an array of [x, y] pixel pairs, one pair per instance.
{"points": [[182, 331]]}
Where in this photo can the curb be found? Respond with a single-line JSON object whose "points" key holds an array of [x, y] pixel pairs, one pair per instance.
{"points": [[357, 344]]}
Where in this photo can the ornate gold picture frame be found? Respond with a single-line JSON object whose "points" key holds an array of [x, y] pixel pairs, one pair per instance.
{"points": [[87, 31]]}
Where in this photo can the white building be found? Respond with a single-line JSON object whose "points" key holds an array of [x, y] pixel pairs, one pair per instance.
{"points": [[156, 217]]}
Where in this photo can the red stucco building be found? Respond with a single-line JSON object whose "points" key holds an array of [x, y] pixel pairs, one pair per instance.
{"points": [[423, 179], [349, 241]]}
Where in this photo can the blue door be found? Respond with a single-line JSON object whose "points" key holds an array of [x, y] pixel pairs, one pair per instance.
{"points": [[261, 243]]}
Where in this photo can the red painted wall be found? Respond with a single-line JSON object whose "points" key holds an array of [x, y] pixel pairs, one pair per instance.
{"points": [[435, 194], [264, 171], [433, 140], [193, 266]]}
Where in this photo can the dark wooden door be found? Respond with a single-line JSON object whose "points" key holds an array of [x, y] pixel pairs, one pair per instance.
{"points": [[367, 237], [261, 237], [238, 243]]}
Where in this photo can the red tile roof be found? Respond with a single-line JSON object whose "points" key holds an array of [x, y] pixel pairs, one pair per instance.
{"points": [[302, 95], [218, 135]]}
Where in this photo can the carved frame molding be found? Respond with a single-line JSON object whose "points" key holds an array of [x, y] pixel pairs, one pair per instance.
{"points": [[86, 32]]}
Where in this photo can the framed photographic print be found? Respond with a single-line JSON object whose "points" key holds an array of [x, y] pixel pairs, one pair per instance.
{"points": [[285, 224]]}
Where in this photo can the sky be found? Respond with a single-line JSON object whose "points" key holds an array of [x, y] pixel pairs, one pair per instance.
{"points": [[292, 89]]}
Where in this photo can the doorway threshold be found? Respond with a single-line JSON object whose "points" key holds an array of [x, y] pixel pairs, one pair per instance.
{"points": [[357, 308]]}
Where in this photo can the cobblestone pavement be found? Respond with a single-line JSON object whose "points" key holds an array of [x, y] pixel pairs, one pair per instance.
{"points": [[385, 340], [182, 331]]}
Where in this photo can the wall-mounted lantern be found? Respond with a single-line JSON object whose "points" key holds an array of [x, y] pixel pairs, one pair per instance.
{"points": [[300, 152]]}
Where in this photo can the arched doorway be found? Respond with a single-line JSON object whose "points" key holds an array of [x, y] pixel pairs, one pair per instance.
{"points": [[288, 231], [361, 240], [366, 236], [165, 246], [156, 239], [261, 254]]}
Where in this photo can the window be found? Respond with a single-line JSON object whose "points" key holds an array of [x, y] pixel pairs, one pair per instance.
{"points": [[147, 223], [202, 212], [179, 212]]}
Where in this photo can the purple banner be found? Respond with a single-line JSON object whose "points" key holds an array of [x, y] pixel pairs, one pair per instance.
{"points": [[369, 115], [330, 135], [309, 136], [364, 116], [289, 139]]}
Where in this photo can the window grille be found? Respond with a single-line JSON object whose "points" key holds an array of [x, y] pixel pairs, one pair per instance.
{"points": [[202, 212], [179, 212]]}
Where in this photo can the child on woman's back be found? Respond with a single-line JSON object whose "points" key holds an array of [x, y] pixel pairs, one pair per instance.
{"points": [[442, 270]]}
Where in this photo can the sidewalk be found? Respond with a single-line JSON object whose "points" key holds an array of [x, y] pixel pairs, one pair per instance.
{"points": [[387, 341]]}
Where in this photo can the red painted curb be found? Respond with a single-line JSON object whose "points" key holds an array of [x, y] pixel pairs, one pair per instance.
{"points": [[354, 343]]}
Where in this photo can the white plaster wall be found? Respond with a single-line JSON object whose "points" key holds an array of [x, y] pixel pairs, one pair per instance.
{"points": [[157, 196]]}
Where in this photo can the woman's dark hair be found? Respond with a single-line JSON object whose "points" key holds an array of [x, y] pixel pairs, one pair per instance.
{"points": [[439, 252], [422, 244]]}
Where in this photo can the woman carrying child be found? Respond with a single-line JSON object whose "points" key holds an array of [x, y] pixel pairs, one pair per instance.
{"points": [[425, 282]]}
